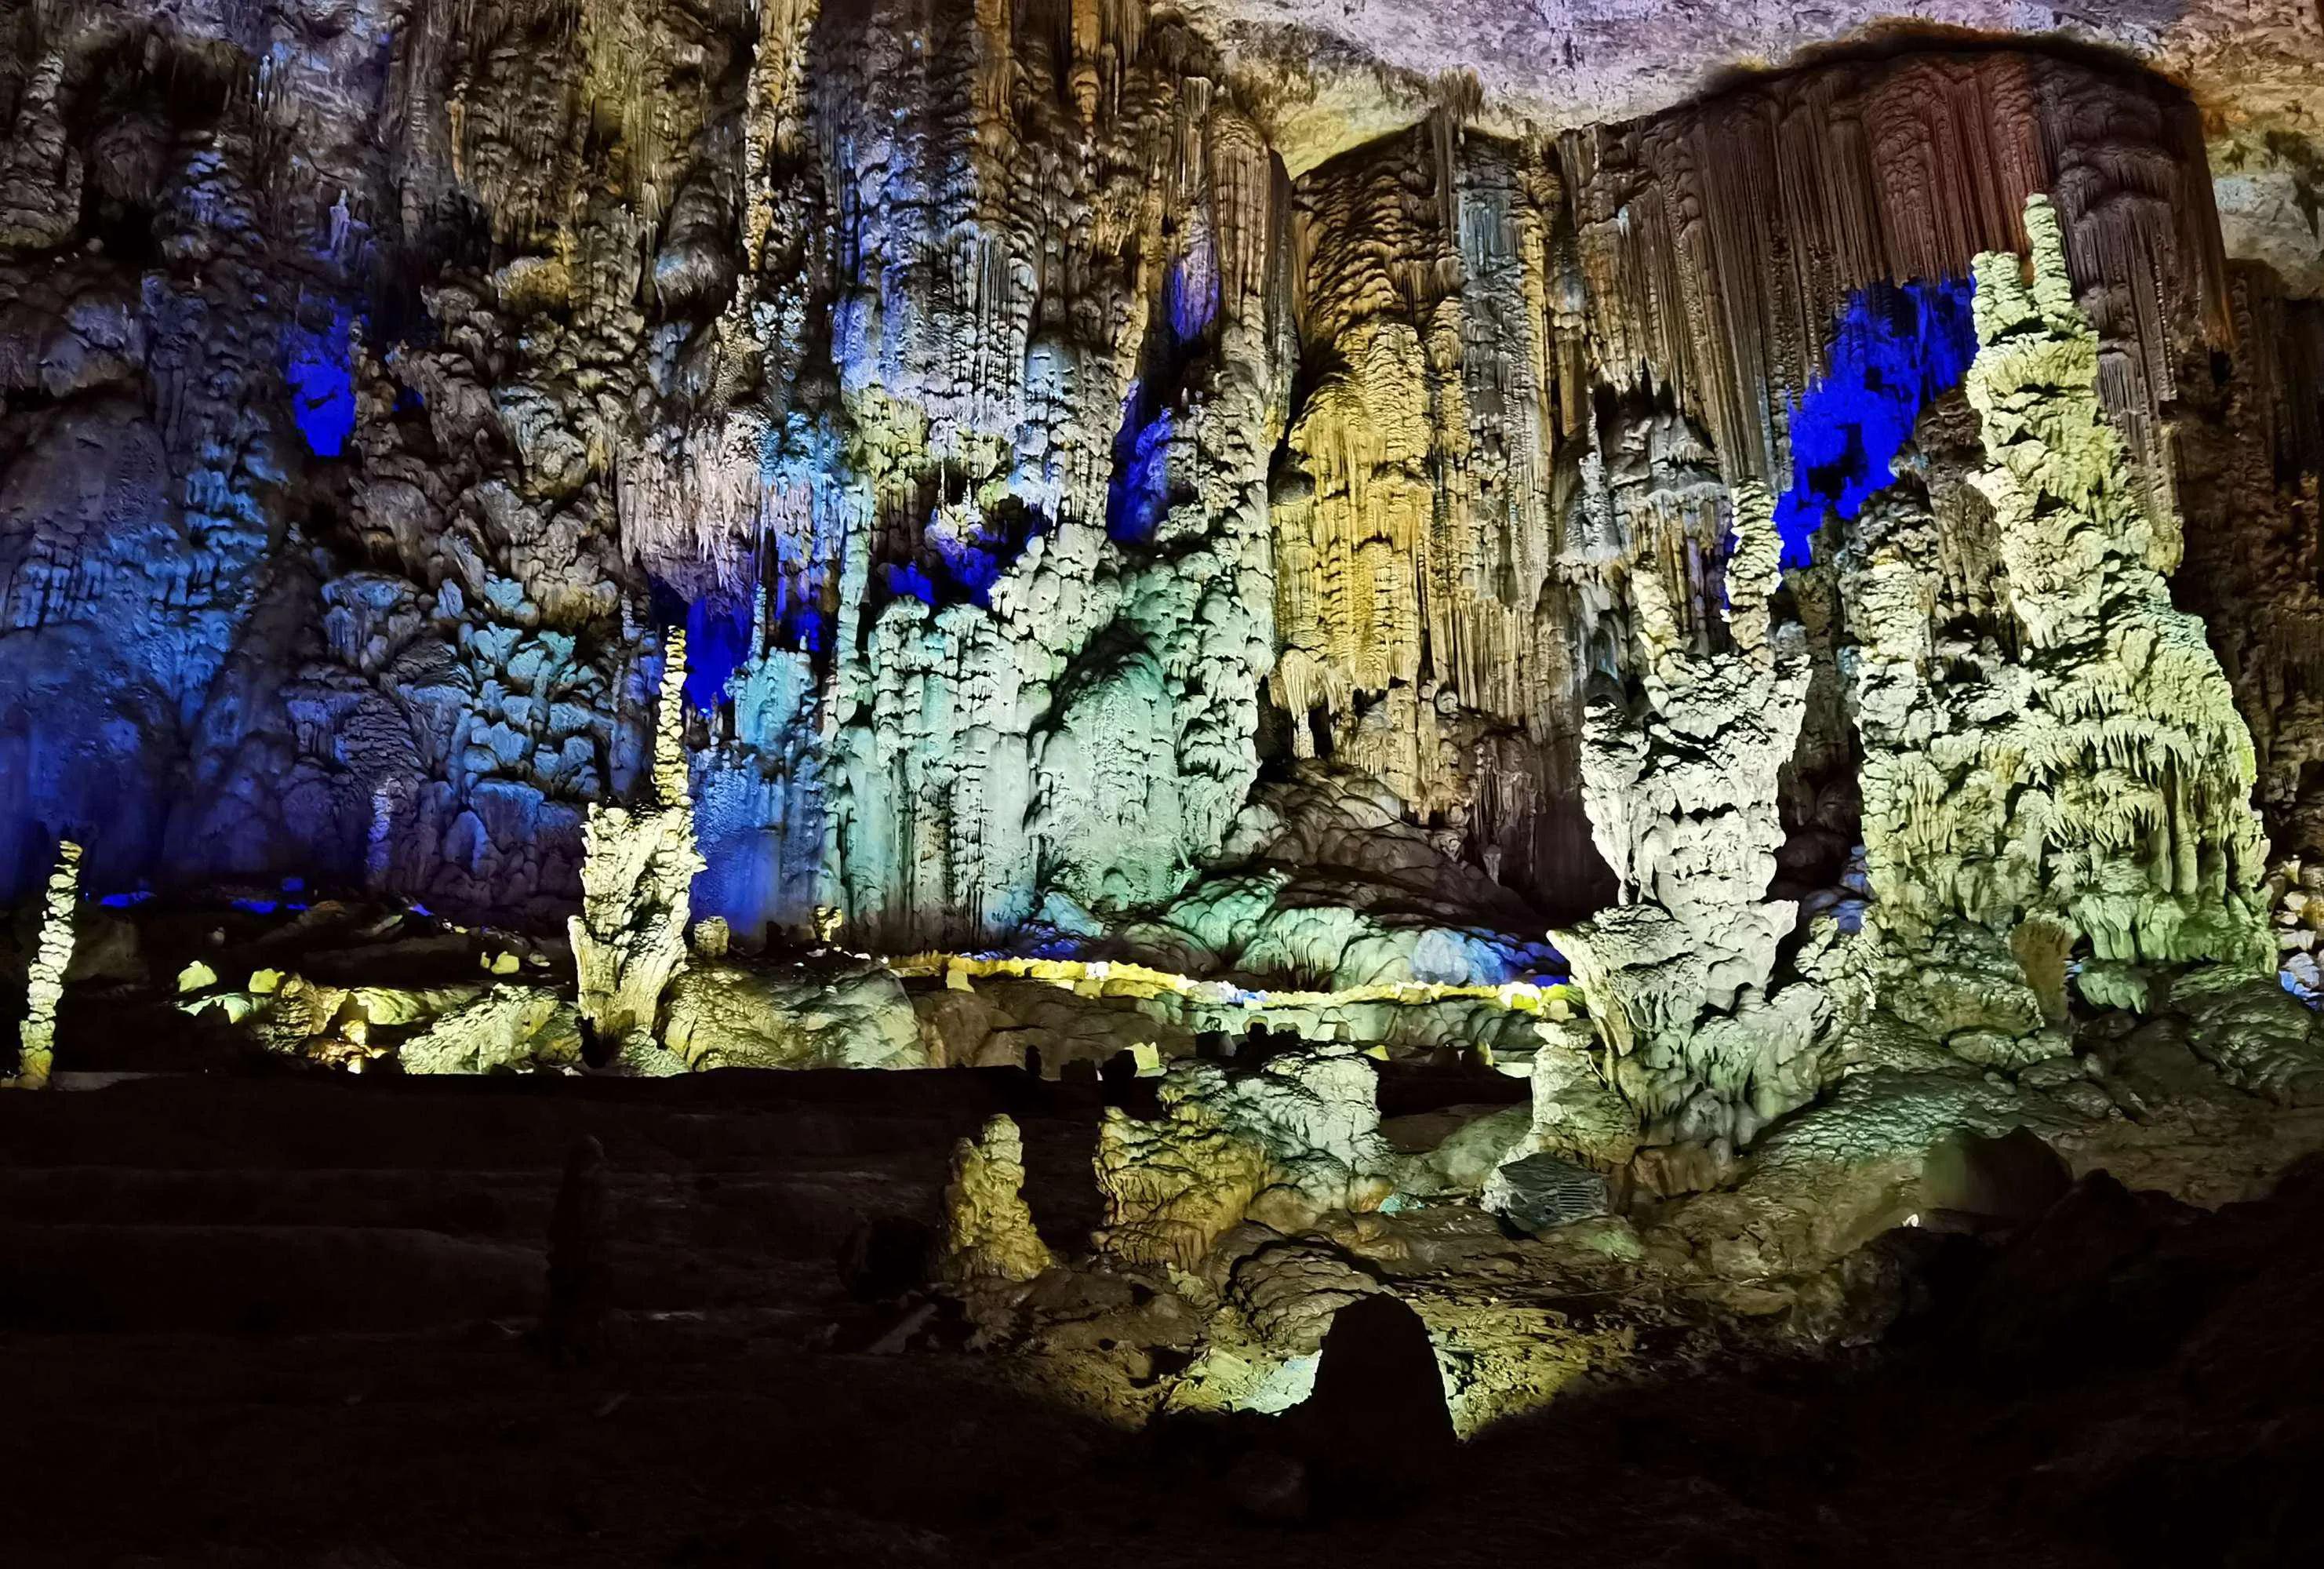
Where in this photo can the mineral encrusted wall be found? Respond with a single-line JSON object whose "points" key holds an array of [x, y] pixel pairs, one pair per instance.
{"points": [[1720, 242], [1063, 353], [157, 266], [1425, 637], [1032, 460]]}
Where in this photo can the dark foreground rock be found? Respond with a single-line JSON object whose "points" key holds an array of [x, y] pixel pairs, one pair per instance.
{"points": [[2117, 1379]]}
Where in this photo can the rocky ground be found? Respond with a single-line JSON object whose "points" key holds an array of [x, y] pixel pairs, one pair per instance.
{"points": [[289, 1319]]}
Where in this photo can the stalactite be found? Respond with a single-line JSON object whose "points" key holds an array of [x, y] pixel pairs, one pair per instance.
{"points": [[1412, 525], [1718, 241], [692, 505]]}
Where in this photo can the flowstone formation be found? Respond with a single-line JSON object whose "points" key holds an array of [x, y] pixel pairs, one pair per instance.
{"points": [[37, 1037], [1682, 794], [2060, 788], [629, 941], [1296, 1140], [988, 1231]]}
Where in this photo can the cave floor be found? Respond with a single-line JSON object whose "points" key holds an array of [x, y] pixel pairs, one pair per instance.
{"points": [[281, 1321]]}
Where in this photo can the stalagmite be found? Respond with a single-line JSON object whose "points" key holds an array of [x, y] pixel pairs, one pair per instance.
{"points": [[2074, 779], [1298, 1139], [988, 1228], [629, 941], [37, 1035], [1575, 1113], [1682, 800]]}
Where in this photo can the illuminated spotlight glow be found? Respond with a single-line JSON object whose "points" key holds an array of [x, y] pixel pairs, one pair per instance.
{"points": [[718, 641], [318, 366], [1895, 350]]}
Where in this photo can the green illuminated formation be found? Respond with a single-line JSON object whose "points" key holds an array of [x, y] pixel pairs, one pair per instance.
{"points": [[629, 941], [37, 1037], [2067, 786]]}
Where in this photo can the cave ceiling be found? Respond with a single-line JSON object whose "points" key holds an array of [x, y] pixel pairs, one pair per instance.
{"points": [[1335, 73]]}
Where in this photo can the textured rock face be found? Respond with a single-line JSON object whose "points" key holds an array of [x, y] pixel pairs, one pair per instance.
{"points": [[723, 1015], [1567, 62], [988, 1230], [509, 1027], [37, 1036], [1127, 487]]}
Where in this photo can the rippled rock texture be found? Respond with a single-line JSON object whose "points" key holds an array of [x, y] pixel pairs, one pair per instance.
{"points": [[1110, 516]]}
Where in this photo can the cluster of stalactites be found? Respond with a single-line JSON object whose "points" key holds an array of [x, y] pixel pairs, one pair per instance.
{"points": [[1412, 534], [1720, 238], [50, 959], [1682, 797], [629, 941], [1060, 356]]}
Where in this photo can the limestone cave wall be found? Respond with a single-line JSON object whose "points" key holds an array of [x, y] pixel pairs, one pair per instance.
{"points": [[1056, 453]]}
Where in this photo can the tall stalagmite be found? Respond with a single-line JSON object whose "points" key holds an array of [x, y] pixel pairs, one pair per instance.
{"points": [[1682, 791], [45, 987], [2066, 773], [629, 941]]}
